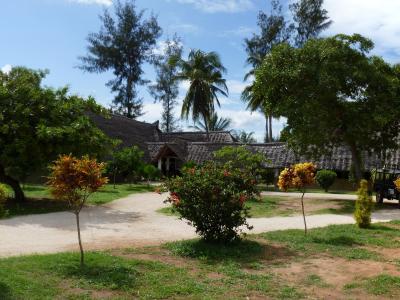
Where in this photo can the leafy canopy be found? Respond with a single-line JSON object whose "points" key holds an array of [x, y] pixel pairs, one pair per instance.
{"points": [[332, 92], [39, 123], [124, 42], [204, 72]]}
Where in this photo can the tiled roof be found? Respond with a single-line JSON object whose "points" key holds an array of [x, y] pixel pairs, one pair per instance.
{"points": [[280, 156]]}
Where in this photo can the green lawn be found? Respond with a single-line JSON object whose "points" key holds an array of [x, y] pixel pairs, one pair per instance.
{"points": [[259, 267], [270, 206], [40, 199]]}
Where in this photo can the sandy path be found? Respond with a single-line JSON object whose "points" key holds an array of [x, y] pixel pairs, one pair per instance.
{"points": [[130, 221]]}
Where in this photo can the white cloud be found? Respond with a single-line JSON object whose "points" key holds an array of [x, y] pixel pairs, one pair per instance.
{"points": [[6, 69], [213, 6], [162, 47], [378, 20], [185, 28], [242, 31], [99, 2], [236, 86]]}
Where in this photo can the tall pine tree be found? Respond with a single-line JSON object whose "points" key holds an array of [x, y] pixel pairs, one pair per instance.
{"points": [[124, 42], [165, 89]]}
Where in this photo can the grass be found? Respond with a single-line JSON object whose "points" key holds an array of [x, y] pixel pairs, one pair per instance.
{"points": [[346, 241], [271, 206], [39, 199], [193, 269]]}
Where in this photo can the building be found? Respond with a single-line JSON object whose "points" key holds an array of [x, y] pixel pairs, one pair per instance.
{"points": [[169, 151]]}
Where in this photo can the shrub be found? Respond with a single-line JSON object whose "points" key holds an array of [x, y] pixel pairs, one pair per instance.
{"points": [[325, 179], [212, 198], [240, 158], [127, 163], [364, 206], [3, 199], [73, 180], [150, 172], [299, 177]]}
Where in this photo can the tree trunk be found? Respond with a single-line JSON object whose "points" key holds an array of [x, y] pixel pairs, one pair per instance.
{"points": [[356, 161], [270, 127], [14, 184], [206, 124], [78, 227], [304, 215], [266, 129]]}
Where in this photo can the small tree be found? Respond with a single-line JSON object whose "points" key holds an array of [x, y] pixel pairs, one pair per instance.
{"points": [[127, 163], [326, 178], [299, 177], [74, 180], [150, 172], [364, 206]]}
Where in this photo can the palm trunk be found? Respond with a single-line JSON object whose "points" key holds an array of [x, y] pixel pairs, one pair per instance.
{"points": [[78, 227], [206, 124], [19, 195], [304, 215]]}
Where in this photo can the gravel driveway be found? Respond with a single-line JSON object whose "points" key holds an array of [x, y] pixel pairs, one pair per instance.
{"points": [[131, 221]]}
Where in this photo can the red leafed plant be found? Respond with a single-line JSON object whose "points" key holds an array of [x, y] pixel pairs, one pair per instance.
{"points": [[299, 177], [74, 180]]}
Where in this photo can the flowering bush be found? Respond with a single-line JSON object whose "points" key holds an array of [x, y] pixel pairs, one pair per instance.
{"points": [[212, 198], [299, 177]]}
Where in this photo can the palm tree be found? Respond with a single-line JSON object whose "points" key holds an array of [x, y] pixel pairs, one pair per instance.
{"points": [[204, 73], [214, 123], [244, 137]]}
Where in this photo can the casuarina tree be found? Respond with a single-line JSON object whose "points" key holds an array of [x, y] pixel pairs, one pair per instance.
{"points": [[124, 42], [310, 19], [165, 89], [38, 123]]}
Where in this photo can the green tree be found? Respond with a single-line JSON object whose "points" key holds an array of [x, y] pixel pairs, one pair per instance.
{"points": [[204, 72], [166, 90], [274, 29], [240, 158], [215, 123], [39, 123], [122, 45], [333, 93], [245, 137], [127, 163], [310, 19]]}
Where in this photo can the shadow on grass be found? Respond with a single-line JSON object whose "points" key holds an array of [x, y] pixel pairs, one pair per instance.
{"points": [[336, 241], [34, 206], [244, 251], [5, 292], [34, 188], [102, 272]]}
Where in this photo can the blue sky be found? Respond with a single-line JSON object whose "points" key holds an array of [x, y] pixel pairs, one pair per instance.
{"points": [[50, 34]]}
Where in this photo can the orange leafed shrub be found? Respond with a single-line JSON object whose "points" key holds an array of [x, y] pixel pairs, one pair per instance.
{"points": [[397, 183], [298, 176], [74, 179]]}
